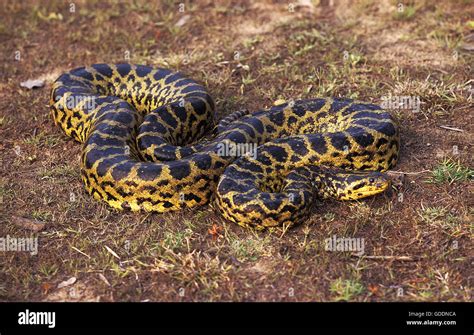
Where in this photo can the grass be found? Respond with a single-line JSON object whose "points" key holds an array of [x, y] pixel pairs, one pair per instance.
{"points": [[440, 218], [431, 214], [41, 215], [245, 249], [195, 255], [405, 13], [176, 240], [451, 171], [345, 290], [60, 171]]}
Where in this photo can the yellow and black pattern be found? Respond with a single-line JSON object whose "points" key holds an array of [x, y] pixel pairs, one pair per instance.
{"points": [[140, 128], [337, 138]]}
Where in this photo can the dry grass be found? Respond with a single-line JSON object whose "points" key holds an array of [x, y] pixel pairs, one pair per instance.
{"points": [[248, 55]]}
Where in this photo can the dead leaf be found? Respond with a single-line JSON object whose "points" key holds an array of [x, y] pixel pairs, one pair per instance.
{"points": [[467, 46], [68, 282], [215, 231], [263, 267], [373, 289], [113, 253], [182, 21], [28, 223], [102, 277], [32, 83], [46, 287], [82, 292]]}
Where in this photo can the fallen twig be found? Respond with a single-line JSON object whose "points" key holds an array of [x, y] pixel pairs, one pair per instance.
{"points": [[397, 258], [452, 128], [401, 172], [113, 253], [81, 252]]}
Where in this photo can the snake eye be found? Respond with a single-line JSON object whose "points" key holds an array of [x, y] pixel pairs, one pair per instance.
{"points": [[371, 180]]}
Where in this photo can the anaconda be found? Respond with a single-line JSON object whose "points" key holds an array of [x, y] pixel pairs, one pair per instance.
{"points": [[142, 129]]}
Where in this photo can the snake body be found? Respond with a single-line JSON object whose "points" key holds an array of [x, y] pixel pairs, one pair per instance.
{"points": [[141, 129]]}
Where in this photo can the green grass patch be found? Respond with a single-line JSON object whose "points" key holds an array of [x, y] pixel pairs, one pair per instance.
{"points": [[176, 240], [60, 171], [43, 140], [249, 249], [441, 218], [345, 290], [404, 13], [432, 214], [41, 215], [450, 171]]}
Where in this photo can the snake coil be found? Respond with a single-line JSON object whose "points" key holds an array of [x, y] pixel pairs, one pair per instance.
{"points": [[140, 128]]}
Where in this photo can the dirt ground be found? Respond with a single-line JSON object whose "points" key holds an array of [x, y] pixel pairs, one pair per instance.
{"points": [[417, 237]]}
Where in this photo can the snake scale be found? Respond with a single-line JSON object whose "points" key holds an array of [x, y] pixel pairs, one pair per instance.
{"points": [[142, 131]]}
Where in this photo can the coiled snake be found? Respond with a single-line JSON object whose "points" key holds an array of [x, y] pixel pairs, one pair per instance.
{"points": [[140, 128]]}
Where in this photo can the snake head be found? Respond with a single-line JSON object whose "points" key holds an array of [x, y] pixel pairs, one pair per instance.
{"points": [[363, 184]]}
